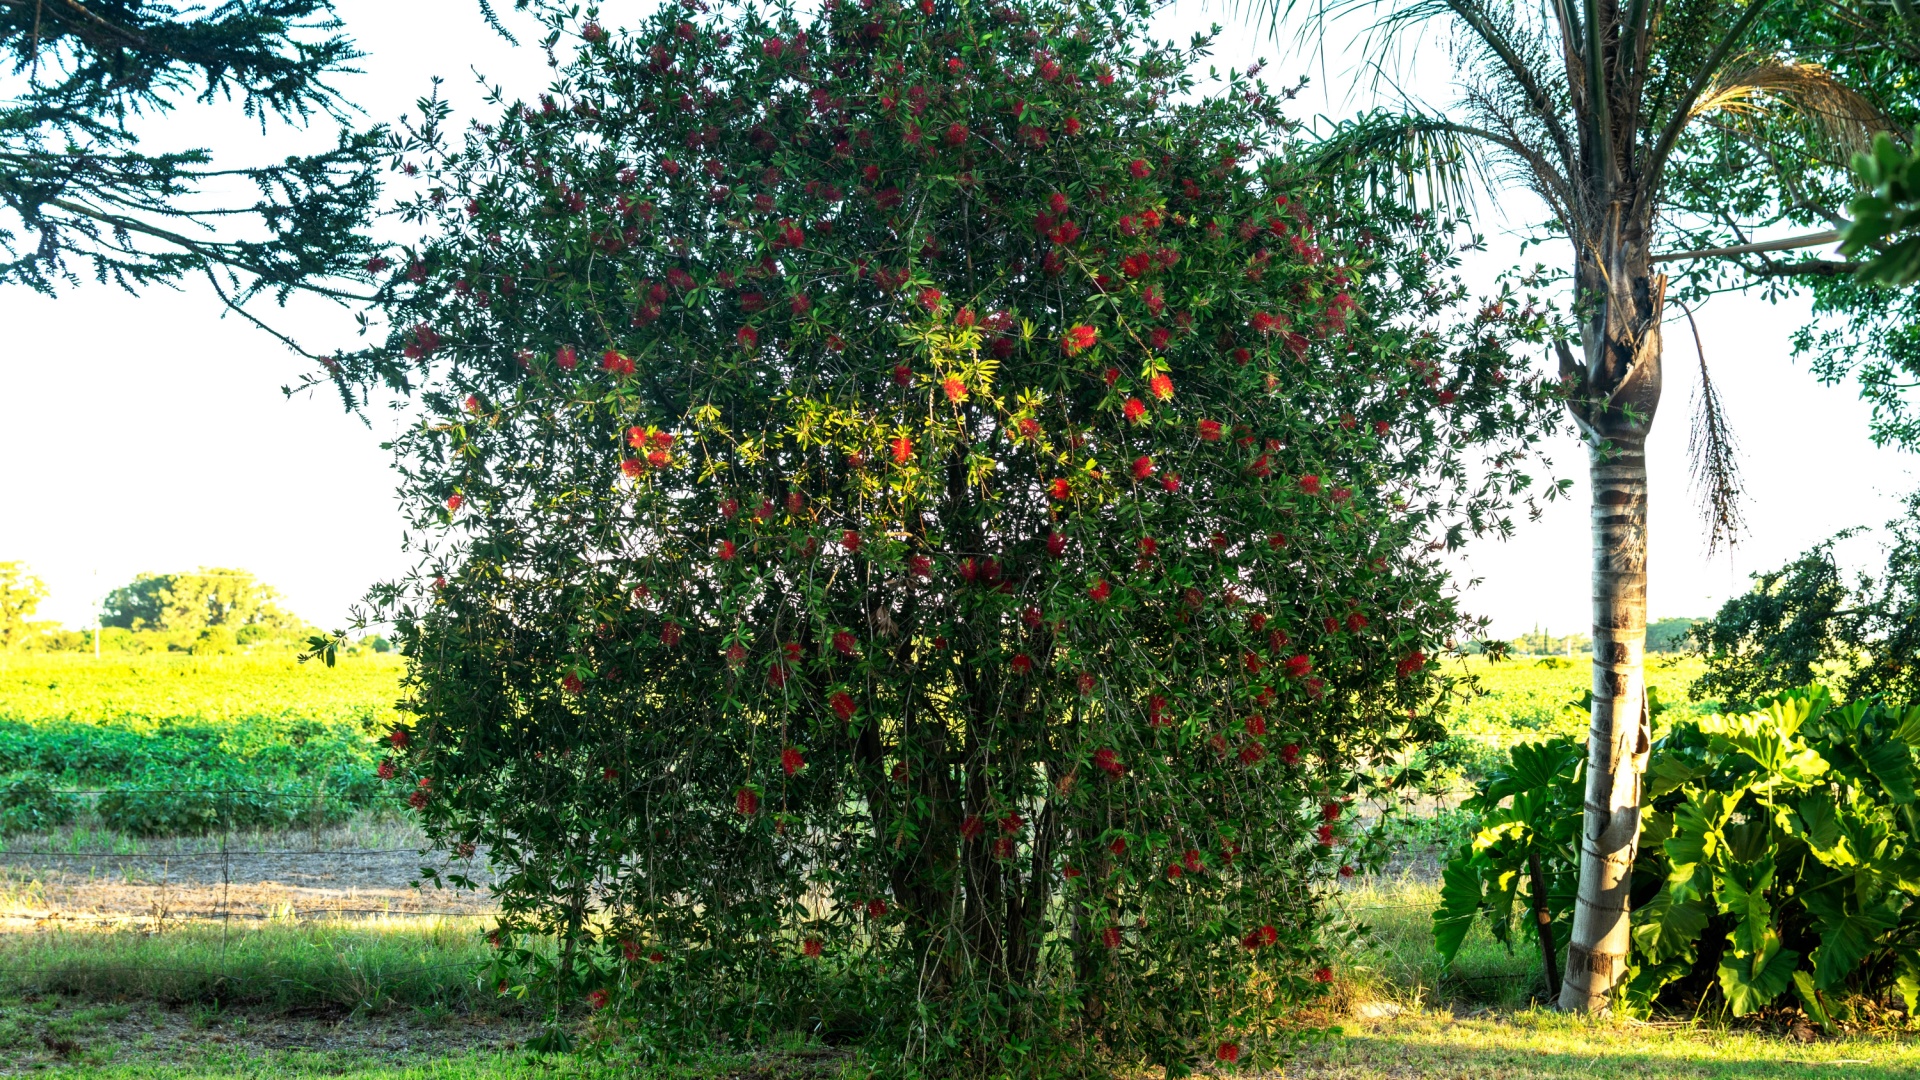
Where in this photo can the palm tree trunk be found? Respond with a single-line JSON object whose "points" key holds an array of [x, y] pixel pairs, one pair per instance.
{"points": [[1617, 740]]}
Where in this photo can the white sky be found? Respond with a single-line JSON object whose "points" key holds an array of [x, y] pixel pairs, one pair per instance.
{"points": [[149, 433]]}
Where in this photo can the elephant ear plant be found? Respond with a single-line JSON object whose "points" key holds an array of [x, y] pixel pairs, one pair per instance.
{"points": [[1781, 857]]}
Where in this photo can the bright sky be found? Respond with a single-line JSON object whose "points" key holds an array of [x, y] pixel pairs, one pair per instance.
{"points": [[149, 433]]}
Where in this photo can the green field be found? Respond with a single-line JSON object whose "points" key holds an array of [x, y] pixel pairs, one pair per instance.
{"points": [[404, 998]]}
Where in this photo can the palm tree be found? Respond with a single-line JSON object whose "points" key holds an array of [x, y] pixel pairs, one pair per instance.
{"points": [[1594, 105]]}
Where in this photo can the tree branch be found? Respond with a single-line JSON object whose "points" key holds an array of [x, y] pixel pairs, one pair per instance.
{"points": [[1789, 243]]}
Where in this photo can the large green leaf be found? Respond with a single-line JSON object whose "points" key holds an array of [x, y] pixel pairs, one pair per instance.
{"points": [[1751, 980], [1847, 933], [1891, 763], [1667, 928], [1741, 892], [1460, 899]]}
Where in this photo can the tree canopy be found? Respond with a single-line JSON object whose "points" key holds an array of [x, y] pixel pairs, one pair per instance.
{"points": [[190, 602]]}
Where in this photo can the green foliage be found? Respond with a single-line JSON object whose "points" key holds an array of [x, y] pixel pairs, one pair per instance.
{"points": [[21, 592], [1886, 216], [76, 188], [30, 804], [1780, 850], [905, 484], [1670, 635], [1806, 623], [190, 603]]}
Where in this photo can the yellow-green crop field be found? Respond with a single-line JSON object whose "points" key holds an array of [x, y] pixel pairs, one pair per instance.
{"points": [[145, 690]]}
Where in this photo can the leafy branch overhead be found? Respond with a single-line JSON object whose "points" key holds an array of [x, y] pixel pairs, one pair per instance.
{"points": [[78, 195]]}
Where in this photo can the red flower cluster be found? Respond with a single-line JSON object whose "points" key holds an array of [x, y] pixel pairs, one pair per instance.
{"points": [[842, 704], [1079, 339], [617, 362], [1265, 935], [1108, 761], [791, 761], [1228, 1052], [746, 802]]}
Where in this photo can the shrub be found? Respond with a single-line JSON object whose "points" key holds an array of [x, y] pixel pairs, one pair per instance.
{"points": [[936, 534], [1779, 854], [30, 804]]}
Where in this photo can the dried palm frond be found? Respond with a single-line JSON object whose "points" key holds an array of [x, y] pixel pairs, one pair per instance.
{"points": [[1838, 115], [1713, 458]]}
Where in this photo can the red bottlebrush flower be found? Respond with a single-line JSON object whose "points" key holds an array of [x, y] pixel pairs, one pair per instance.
{"points": [[1021, 664], [616, 362], [800, 304], [972, 827], [598, 999], [1323, 975], [656, 957], [1110, 937], [726, 551], [1149, 547], [572, 683], [399, 738], [658, 459], [670, 635], [811, 948], [1170, 482], [1256, 725], [1330, 624], [1061, 490], [455, 501], [1139, 168], [736, 655], [902, 450], [630, 950], [791, 761], [920, 566], [1058, 203], [956, 133], [1264, 323], [930, 298], [472, 404], [1003, 847], [377, 264], [1331, 811], [956, 388], [385, 771], [1012, 823], [1316, 688], [1276, 541], [1086, 683], [1209, 431], [1341, 494], [1100, 590], [1261, 467], [1107, 761], [749, 338], [902, 375], [965, 319], [609, 773], [1227, 1052], [1411, 663], [1070, 871], [1381, 427], [1174, 870], [1031, 616], [730, 508], [1324, 834], [1159, 337], [1134, 409], [1142, 467], [1290, 753], [746, 801], [1111, 376], [773, 47], [1079, 339], [1256, 622], [632, 466], [1346, 871], [1310, 484], [566, 358], [1356, 622], [1252, 754], [850, 540], [1299, 666], [876, 908], [1260, 936], [1161, 386], [1072, 126], [796, 502], [1118, 846], [843, 643], [842, 704], [1157, 711], [1253, 663], [1135, 265], [1192, 861], [1029, 427], [1056, 544], [777, 674], [1446, 397]]}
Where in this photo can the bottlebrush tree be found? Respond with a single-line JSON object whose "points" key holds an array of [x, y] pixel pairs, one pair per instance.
{"points": [[928, 520]]}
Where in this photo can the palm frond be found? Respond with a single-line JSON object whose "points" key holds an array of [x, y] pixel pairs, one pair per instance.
{"points": [[1713, 458], [1409, 159], [1838, 115]]}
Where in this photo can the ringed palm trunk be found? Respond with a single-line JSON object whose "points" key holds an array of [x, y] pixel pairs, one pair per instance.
{"points": [[1616, 392]]}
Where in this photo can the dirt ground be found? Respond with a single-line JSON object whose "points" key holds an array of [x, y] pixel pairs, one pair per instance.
{"points": [[363, 868]]}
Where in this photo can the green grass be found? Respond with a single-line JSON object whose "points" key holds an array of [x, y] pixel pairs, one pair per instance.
{"points": [[357, 966]]}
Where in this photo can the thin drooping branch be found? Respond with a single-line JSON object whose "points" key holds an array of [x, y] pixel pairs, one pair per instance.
{"points": [[1713, 457]]}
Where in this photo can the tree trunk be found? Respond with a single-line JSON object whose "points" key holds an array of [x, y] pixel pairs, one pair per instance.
{"points": [[1619, 391]]}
